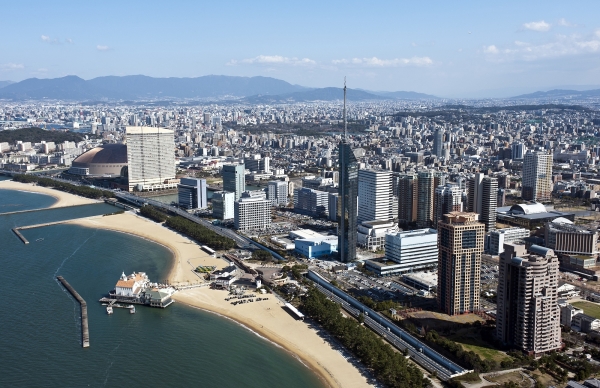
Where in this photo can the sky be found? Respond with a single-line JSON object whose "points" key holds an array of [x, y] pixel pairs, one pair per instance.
{"points": [[446, 48]]}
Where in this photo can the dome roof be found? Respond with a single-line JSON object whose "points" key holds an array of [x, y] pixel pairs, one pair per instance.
{"points": [[534, 208], [106, 153]]}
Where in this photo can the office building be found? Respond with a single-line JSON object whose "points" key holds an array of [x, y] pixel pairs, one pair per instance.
{"points": [[407, 199], [438, 142], [223, 204], [311, 202], [347, 203], [374, 195], [460, 245], [234, 179], [192, 193], [277, 193], [425, 191], [537, 176], [497, 238], [448, 198], [482, 198], [256, 163], [412, 250], [252, 213], [150, 158], [332, 206], [528, 315], [517, 151]]}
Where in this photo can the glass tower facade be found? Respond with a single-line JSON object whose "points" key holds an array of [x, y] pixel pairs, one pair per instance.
{"points": [[347, 203]]}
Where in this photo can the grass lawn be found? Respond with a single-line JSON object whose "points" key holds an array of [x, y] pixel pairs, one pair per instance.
{"points": [[591, 309], [515, 377], [479, 347]]}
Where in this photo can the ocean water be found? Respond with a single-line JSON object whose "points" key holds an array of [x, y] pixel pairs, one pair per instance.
{"points": [[180, 346]]}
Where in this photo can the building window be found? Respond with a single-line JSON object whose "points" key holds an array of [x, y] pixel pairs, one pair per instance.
{"points": [[469, 239]]}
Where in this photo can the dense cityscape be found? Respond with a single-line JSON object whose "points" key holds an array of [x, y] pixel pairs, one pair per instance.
{"points": [[482, 213]]}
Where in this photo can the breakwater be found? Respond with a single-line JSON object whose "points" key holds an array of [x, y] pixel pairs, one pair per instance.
{"points": [[85, 331]]}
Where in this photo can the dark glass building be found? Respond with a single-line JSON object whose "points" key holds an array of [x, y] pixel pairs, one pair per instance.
{"points": [[347, 203]]}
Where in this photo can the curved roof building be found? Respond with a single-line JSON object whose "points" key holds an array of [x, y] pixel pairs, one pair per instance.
{"points": [[105, 160]]}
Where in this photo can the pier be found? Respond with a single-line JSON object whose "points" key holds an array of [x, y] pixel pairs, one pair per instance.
{"points": [[85, 332], [19, 235]]}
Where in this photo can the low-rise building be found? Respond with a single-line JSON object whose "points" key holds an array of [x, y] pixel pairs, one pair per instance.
{"points": [[372, 234]]}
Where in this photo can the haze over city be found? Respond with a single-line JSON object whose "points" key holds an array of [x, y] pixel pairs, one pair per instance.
{"points": [[477, 49]]}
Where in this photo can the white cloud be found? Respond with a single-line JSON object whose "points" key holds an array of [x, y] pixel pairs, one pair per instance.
{"points": [[560, 46], [564, 23], [540, 26], [102, 48], [69, 40], [47, 39], [12, 66], [377, 62], [492, 49], [274, 60]]}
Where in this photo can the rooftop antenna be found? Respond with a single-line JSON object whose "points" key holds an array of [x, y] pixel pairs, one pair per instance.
{"points": [[345, 123]]}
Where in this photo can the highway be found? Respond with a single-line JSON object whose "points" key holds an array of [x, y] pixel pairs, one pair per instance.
{"points": [[418, 351]]}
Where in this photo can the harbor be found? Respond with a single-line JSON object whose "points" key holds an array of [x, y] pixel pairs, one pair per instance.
{"points": [[138, 289]]}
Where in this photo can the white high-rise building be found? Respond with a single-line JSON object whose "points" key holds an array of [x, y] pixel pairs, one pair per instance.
{"points": [[374, 195], [252, 213], [150, 158], [537, 176], [277, 193], [448, 199], [222, 202], [413, 250]]}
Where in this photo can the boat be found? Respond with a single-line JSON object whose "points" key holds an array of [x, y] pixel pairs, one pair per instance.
{"points": [[132, 309], [109, 310]]}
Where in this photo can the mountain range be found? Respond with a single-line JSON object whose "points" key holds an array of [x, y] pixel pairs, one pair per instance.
{"points": [[139, 87], [561, 94]]}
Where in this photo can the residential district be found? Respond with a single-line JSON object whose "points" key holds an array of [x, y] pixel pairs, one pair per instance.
{"points": [[466, 235]]}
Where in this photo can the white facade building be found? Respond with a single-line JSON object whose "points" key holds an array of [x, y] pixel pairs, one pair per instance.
{"points": [[372, 234], [497, 238], [223, 205], [277, 193], [252, 213], [374, 195], [413, 250], [150, 158], [537, 176]]}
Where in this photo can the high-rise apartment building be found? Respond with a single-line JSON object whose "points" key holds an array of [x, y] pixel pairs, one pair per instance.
{"points": [[347, 198], [223, 205], [517, 151], [460, 245], [374, 195], [252, 213], [150, 158], [234, 179], [528, 315], [482, 198], [537, 176], [277, 193], [192, 193], [425, 191], [448, 198], [407, 198]]}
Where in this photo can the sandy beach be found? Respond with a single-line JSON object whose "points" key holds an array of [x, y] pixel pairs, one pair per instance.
{"points": [[268, 318], [62, 199]]}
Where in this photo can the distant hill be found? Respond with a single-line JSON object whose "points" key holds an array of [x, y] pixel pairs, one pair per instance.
{"points": [[5, 83], [138, 87], [560, 93], [321, 94], [401, 95], [36, 135]]}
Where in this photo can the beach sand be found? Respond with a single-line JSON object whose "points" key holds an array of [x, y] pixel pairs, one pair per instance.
{"points": [[62, 199], [268, 318]]}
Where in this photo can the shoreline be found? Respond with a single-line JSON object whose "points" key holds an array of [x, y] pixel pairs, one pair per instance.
{"points": [[63, 199], [267, 319]]}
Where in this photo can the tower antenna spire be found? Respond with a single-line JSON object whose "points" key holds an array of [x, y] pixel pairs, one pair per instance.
{"points": [[345, 122]]}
